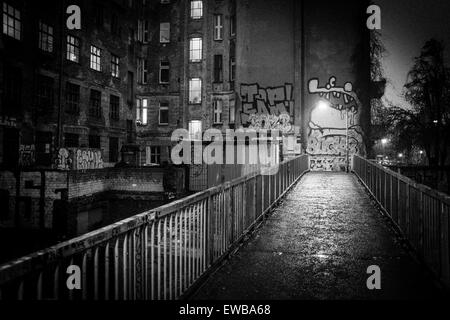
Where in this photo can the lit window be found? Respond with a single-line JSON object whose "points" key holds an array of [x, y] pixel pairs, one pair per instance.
{"points": [[195, 129], [217, 111], [96, 58], [115, 66], [142, 111], [218, 27], [164, 72], [196, 9], [195, 91], [45, 37], [164, 32], [12, 25], [232, 111], [195, 49], [73, 49], [163, 113]]}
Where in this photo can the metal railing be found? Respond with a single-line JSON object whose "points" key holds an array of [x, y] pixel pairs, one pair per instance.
{"points": [[158, 255], [421, 213]]}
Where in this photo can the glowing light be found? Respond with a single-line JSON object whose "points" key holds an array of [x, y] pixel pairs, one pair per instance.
{"points": [[384, 141], [322, 105], [400, 155]]}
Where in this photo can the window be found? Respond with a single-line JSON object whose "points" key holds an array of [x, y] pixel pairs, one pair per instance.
{"points": [[114, 102], [142, 111], [115, 66], [232, 69], [143, 30], [95, 104], [72, 98], [130, 133], [195, 129], [164, 32], [232, 112], [45, 37], [113, 149], [130, 88], [164, 72], [142, 68], [217, 111], [71, 140], [196, 9], [96, 58], [94, 141], [218, 68], [12, 89], [218, 27], [164, 113], [153, 155], [73, 49], [45, 93], [233, 26], [195, 49], [12, 25], [165, 1], [195, 90]]}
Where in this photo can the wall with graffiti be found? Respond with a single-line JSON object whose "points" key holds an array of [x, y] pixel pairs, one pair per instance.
{"points": [[79, 159], [336, 107], [27, 155], [266, 108]]}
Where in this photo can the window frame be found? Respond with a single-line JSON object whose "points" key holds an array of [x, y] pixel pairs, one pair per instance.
{"points": [[46, 37], [193, 52], [167, 30], [163, 106], [218, 27], [164, 65], [191, 91], [95, 103], [114, 107], [73, 48], [95, 60], [72, 98], [196, 12], [217, 111], [115, 66], [14, 15]]}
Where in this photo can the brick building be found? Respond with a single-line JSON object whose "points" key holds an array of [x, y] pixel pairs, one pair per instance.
{"points": [[66, 88]]}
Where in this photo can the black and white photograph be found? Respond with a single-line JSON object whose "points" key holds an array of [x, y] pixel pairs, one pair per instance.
{"points": [[224, 155]]}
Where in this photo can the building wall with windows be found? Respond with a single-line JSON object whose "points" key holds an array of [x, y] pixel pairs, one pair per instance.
{"points": [[66, 88]]}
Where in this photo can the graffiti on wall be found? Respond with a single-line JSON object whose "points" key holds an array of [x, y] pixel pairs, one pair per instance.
{"points": [[8, 122], [79, 159], [63, 161], [27, 155], [328, 126], [267, 108]]}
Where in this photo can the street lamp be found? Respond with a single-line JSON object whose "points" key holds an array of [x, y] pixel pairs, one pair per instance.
{"points": [[384, 142], [323, 106]]}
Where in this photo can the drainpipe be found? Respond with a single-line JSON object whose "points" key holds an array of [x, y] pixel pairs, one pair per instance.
{"points": [[61, 72]]}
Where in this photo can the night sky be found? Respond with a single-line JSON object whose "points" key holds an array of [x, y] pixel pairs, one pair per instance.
{"points": [[406, 25]]}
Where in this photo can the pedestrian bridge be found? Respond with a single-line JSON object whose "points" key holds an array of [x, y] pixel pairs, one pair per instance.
{"points": [[278, 234]]}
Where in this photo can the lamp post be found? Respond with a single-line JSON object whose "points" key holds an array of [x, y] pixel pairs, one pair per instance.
{"points": [[324, 105]]}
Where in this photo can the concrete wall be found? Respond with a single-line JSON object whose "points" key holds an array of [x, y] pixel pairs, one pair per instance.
{"points": [[335, 73]]}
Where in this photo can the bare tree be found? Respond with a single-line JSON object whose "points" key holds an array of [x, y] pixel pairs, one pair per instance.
{"points": [[426, 124]]}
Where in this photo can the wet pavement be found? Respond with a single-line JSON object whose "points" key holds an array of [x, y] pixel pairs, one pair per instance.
{"points": [[318, 244]]}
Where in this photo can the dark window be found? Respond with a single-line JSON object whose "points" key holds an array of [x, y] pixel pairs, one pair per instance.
{"points": [[232, 69], [45, 93], [218, 68], [130, 88], [233, 25], [130, 135], [72, 98], [164, 113], [115, 66], [71, 140], [44, 148], [94, 141], [12, 90], [45, 37], [114, 107], [164, 72], [113, 149], [10, 147], [4, 203], [95, 104]]}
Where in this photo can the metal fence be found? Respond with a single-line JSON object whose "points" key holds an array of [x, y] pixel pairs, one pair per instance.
{"points": [[421, 213], [156, 255]]}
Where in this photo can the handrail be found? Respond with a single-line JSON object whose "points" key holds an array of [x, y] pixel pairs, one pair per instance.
{"points": [[419, 212], [159, 254]]}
